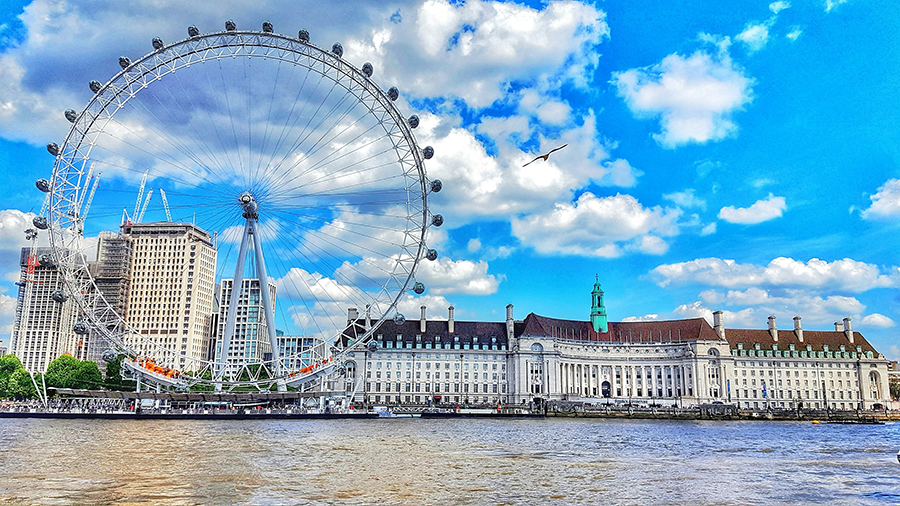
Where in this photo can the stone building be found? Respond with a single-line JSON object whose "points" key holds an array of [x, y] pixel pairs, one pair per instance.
{"points": [[683, 363]]}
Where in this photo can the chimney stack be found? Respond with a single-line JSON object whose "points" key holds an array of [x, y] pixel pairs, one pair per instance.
{"points": [[719, 323], [352, 315], [510, 323], [422, 320], [798, 330], [848, 330], [838, 327], [450, 320], [773, 330]]}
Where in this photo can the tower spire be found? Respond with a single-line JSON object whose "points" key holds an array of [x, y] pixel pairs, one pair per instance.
{"points": [[598, 309]]}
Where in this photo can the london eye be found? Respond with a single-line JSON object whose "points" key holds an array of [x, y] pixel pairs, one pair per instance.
{"points": [[301, 170]]}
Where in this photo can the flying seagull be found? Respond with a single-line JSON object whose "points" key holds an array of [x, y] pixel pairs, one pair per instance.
{"points": [[545, 156]]}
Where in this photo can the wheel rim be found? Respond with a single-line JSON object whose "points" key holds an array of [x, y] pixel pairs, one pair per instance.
{"points": [[352, 207]]}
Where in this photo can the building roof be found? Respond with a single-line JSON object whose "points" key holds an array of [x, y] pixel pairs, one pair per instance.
{"points": [[818, 339], [690, 329], [464, 332]]}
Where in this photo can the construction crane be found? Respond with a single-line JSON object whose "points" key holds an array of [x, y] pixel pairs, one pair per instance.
{"points": [[140, 217], [162, 193], [90, 198], [137, 204]]}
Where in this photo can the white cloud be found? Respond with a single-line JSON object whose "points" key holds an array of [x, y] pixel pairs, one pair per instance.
{"points": [[603, 227], [7, 315], [877, 320], [831, 4], [885, 203], [794, 34], [735, 319], [709, 229], [440, 277], [755, 36], [779, 6], [762, 210], [846, 274], [694, 97], [686, 199], [473, 245], [479, 185], [646, 318]]}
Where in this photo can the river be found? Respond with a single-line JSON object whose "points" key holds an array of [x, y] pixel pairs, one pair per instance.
{"points": [[463, 461]]}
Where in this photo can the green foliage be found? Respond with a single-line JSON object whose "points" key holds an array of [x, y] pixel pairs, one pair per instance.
{"points": [[114, 379], [61, 373], [8, 365], [87, 375], [20, 386], [895, 389]]}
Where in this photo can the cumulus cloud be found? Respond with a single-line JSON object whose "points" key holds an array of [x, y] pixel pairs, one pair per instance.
{"points": [[440, 277], [755, 36], [832, 4], [877, 320], [694, 97], [846, 274], [686, 199], [885, 202], [601, 227], [646, 318], [762, 210], [744, 318], [481, 185], [779, 6], [794, 34]]}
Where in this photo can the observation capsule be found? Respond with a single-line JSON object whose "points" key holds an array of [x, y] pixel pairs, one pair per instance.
{"points": [[53, 149], [419, 288], [399, 319], [267, 27], [193, 31], [59, 296], [43, 185], [303, 36], [437, 220], [157, 43], [367, 69], [413, 121], [337, 49], [431, 254], [81, 328], [124, 62], [230, 26], [393, 93], [40, 222], [436, 186], [108, 355], [71, 115], [45, 260], [95, 86], [428, 152]]}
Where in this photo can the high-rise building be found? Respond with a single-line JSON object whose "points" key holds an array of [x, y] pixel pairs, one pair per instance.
{"points": [[112, 276], [45, 314], [250, 342], [170, 297]]}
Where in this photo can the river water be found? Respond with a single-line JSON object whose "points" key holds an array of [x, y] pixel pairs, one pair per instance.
{"points": [[464, 461]]}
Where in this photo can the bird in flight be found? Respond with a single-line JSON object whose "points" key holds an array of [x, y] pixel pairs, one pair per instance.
{"points": [[545, 156]]}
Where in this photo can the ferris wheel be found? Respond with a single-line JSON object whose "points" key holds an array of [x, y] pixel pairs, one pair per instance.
{"points": [[285, 161]]}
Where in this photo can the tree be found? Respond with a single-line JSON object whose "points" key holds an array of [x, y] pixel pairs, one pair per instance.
{"points": [[20, 385], [87, 375], [114, 380], [62, 371], [9, 364]]}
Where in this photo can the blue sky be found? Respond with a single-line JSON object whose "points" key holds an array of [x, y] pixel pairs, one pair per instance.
{"points": [[736, 156]]}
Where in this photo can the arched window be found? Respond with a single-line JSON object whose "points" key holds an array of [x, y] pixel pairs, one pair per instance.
{"points": [[537, 347]]}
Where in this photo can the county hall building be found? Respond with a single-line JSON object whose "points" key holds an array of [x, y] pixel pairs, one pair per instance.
{"points": [[677, 362]]}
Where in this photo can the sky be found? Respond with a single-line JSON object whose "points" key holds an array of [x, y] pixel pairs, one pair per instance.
{"points": [[734, 156]]}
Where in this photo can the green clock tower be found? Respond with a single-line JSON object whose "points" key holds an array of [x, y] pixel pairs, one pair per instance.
{"points": [[598, 310]]}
